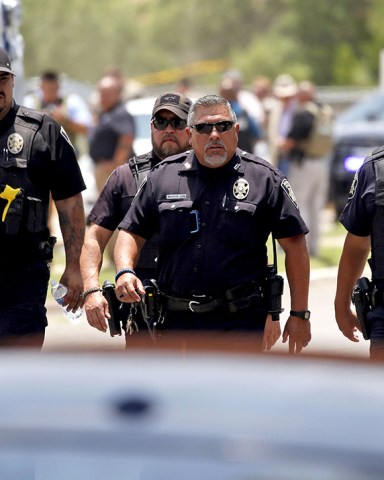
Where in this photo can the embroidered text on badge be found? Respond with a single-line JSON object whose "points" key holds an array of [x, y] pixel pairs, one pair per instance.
{"points": [[176, 196]]}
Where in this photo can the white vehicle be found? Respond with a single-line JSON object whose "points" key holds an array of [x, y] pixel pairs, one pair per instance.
{"points": [[141, 109]]}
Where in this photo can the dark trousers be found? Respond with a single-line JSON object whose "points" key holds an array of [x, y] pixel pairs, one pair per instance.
{"points": [[23, 292], [375, 321]]}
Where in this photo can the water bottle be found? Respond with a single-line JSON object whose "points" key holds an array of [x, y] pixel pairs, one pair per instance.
{"points": [[59, 291]]}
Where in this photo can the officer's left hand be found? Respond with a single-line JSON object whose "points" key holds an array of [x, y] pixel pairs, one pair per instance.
{"points": [[129, 288], [272, 332], [299, 333]]}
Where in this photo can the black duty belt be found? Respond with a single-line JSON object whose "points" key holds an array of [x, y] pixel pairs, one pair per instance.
{"points": [[233, 300]]}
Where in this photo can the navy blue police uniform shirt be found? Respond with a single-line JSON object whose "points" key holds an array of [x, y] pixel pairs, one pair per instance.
{"points": [[357, 215], [52, 164], [114, 202], [116, 196], [115, 199], [213, 224]]}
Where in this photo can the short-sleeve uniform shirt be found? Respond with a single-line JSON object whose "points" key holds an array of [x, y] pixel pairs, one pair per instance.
{"points": [[213, 224], [114, 202], [357, 215]]}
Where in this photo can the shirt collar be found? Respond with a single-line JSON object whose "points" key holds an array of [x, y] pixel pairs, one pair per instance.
{"points": [[192, 164]]}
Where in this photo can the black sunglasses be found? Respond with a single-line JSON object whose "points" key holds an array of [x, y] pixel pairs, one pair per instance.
{"points": [[161, 123], [221, 127]]}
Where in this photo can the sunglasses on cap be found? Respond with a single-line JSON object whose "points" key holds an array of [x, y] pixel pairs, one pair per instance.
{"points": [[221, 127], [161, 123]]}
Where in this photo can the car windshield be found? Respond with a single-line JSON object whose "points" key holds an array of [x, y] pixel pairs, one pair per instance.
{"points": [[370, 109]]}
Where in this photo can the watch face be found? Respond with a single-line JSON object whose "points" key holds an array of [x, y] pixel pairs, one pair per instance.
{"points": [[307, 315]]}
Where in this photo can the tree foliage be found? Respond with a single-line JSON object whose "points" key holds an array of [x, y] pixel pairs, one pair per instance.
{"points": [[326, 41]]}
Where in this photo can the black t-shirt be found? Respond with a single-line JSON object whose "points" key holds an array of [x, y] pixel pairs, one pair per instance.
{"points": [[105, 135], [213, 224]]}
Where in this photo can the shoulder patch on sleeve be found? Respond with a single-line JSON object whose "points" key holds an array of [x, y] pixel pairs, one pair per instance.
{"points": [[285, 185], [65, 135], [352, 190]]}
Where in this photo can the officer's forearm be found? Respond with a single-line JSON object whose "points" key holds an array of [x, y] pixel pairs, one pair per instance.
{"points": [[127, 250], [297, 268], [91, 258], [72, 225], [352, 262]]}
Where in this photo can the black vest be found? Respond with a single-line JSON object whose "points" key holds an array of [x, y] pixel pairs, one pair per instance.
{"points": [[140, 166], [146, 266], [23, 208]]}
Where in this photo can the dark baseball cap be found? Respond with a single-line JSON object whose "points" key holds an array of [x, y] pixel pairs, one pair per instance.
{"points": [[5, 62], [176, 103]]}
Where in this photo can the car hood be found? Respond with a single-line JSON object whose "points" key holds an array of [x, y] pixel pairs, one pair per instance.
{"points": [[364, 130]]}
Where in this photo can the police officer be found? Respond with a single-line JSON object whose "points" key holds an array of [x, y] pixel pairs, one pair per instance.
{"points": [[213, 209], [363, 219], [36, 160], [168, 135]]}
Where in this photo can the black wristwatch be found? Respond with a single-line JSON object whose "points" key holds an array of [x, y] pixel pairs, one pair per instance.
{"points": [[304, 314]]}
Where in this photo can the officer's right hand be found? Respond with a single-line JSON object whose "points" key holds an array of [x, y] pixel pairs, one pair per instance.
{"points": [[348, 324], [96, 308], [129, 288]]}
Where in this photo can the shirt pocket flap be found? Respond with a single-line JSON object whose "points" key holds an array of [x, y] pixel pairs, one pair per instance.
{"points": [[236, 206], [175, 205]]}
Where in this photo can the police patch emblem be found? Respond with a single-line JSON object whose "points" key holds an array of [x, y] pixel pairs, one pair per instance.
{"points": [[352, 190], [15, 143], [241, 189], [288, 190], [65, 135]]}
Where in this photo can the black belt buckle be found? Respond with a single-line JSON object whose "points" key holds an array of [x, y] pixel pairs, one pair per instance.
{"points": [[195, 302]]}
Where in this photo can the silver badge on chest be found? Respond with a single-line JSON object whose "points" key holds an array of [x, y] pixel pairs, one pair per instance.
{"points": [[15, 143], [241, 189]]}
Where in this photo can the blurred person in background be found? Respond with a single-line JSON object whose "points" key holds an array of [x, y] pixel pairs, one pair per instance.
{"points": [[213, 209], [262, 89], [70, 111], [280, 120], [37, 160], [249, 132], [308, 146], [184, 86], [111, 138], [169, 137], [246, 98]]}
